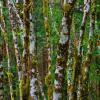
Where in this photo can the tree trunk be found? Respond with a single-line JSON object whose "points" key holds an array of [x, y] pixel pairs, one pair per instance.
{"points": [[62, 55], [70, 81], [48, 48], [3, 28], [1, 78], [87, 62], [78, 76], [13, 18], [34, 89], [26, 54]]}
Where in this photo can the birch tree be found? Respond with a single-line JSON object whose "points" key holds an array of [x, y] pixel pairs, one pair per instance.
{"points": [[78, 75], [3, 28], [48, 78], [1, 67], [34, 88], [1, 78], [13, 18], [87, 62], [63, 46], [26, 57]]}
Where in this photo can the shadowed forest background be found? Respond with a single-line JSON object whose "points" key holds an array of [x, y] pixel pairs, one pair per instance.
{"points": [[49, 49]]}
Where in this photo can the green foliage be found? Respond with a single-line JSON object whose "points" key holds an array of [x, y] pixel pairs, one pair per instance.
{"points": [[54, 22]]}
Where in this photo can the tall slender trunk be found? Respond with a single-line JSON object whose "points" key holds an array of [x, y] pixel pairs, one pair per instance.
{"points": [[48, 79], [1, 78], [71, 62], [3, 28], [35, 83], [97, 58], [13, 18], [78, 76], [26, 56], [47, 30], [87, 62], [9, 67], [16, 11], [9, 74], [70, 75], [34, 86], [1, 82], [63, 46], [34, 90], [1, 67]]}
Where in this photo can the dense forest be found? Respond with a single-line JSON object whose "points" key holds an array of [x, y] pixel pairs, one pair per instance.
{"points": [[49, 49]]}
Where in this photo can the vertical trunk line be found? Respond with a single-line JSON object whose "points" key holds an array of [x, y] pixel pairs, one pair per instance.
{"points": [[3, 28], [26, 55], [78, 76], [88, 60], [48, 77], [13, 18], [62, 56]]}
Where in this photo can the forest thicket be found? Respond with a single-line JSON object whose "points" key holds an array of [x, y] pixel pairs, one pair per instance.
{"points": [[49, 49]]}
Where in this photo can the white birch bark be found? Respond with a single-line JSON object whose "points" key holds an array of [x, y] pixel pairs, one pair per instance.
{"points": [[63, 51], [12, 14], [82, 31]]}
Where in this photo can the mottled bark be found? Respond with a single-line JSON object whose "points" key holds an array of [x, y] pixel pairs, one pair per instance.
{"points": [[87, 62], [1, 58], [26, 55], [13, 19], [70, 78], [78, 76], [48, 49], [34, 90], [15, 12], [1, 78], [63, 46], [3, 28]]}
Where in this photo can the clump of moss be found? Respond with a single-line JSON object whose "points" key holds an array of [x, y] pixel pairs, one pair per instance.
{"points": [[48, 79], [48, 82], [50, 91], [67, 7], [10, 75]]}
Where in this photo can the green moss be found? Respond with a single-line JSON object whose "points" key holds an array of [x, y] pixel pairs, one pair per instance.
{"points": [[48, 79], [50, 92], [67, 7], [10, 75]]}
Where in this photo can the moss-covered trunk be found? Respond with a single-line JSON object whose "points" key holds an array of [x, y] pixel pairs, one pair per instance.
{"points": [[26, 56], [13, 18], [5, 32], [1, 77], [87, 62], [62, 56], [48, 48], [78, 58]]}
